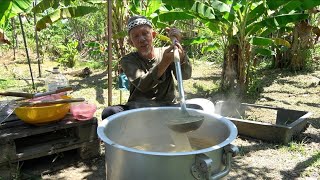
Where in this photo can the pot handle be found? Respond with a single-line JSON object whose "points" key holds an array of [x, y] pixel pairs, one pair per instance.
{"points": [[202, 167], [230, 151]]}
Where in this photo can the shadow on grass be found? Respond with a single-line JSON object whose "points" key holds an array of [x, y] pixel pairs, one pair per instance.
{"points": [[200, 90], [95, 169], [312, 104], [246, 171], [91, 169], [315, 122], [213, 78], [297, 171], [268, 77], [98, 81]]}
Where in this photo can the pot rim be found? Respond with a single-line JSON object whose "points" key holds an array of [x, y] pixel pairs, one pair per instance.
{"points": [[105, 139]]}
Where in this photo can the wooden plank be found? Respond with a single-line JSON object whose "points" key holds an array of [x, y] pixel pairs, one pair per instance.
{"points": [[91, 149], [37, 139], [87, 132], [10, 119], [29, 155], [7, 152], [49, 148], [25, 130], [11, 123], [44, 150]]}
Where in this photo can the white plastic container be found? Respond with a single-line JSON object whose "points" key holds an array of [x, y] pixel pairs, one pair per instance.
{"points": [[56, 80]]}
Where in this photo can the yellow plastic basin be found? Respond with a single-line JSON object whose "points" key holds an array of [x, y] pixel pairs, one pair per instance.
{"points": [[39, 115]]}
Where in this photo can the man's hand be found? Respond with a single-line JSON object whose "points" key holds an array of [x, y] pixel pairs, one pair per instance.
{"points": [[175, 35], [174, 32]]}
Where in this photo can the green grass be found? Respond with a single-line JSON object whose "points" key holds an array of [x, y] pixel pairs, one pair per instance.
{"points": [[94, 64], [295, 147], [312, 165], [7, 83]]}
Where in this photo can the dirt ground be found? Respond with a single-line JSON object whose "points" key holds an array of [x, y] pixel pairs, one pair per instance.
{"points": [[257, 159]]}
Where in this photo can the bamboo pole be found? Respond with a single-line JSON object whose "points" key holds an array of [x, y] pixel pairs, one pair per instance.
{"points": [[36, 36], [109, 52], [13, 38], [26, 48]]}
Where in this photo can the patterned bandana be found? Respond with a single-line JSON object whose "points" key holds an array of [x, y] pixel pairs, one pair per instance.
{"points": [[137, 22]]}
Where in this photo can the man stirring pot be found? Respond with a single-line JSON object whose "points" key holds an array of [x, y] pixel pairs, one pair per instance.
{"points": [[150, 70]]}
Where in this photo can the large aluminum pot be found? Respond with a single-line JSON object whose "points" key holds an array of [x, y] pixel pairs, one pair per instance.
{"points": [[125, 132]]}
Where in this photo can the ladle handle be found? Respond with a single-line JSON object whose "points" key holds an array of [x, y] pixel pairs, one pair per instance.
{"points": [[176, 57]]}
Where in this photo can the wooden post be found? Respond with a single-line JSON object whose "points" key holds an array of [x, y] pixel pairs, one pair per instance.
{"points": [[36, 36], [14, 44], [109, 52]]}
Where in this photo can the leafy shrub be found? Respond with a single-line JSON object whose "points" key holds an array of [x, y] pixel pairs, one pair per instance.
{"points": [[95, 64], [4, 84], [69, 54], [96, 50]]}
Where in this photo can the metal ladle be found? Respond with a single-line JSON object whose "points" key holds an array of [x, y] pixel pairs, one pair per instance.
{"points": [[185, 122]]}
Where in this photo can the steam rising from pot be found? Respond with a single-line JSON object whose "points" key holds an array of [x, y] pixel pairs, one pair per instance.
{"points": [[154, 134]]}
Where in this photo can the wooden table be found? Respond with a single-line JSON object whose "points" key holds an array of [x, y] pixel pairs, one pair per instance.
{"points": [[20, 141]]}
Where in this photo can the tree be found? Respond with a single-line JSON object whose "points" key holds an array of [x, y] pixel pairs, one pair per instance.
{"points": [[245, 27]]}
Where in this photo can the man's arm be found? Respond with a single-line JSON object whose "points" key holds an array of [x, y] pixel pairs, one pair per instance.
{"points": [[140, 78]]}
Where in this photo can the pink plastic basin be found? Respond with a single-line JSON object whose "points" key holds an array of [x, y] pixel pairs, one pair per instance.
{"points": [[83, 111]]}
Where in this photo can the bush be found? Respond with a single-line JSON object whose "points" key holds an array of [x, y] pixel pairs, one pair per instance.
{"points": [[69, 54]]}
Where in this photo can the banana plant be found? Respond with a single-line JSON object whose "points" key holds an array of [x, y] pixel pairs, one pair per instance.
{"points": [[243, 25], [9, 9], [54, 10], [151, 9], [120, 10]]}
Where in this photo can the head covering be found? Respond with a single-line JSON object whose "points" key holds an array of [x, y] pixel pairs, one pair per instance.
{"points": [[137, 20]]}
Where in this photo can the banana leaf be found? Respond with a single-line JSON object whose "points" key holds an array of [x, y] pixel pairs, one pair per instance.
{"points": [[69, 12]]}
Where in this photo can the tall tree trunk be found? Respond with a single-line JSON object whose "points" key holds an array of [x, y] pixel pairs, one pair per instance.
{"points": [[247, 65], [241, 71], [78, 31], [243, 67], [118, 20], [236, 68], [282, 58], [230, 67], [301, 44]]}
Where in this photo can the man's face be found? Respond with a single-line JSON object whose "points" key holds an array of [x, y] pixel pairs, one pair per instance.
{"points": [[141, 37]]}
